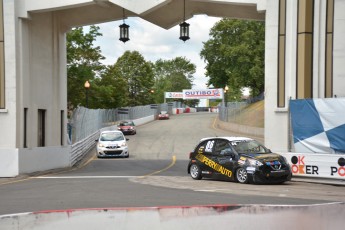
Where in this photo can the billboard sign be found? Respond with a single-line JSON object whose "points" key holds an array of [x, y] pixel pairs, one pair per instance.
{"points": [[178, 95], [202, 94]]}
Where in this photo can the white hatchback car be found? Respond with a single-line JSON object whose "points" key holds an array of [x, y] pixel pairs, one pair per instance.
{"points": [[112, 144]]}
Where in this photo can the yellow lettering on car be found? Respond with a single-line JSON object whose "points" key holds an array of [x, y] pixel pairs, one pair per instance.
{"points": [[217, 167]]}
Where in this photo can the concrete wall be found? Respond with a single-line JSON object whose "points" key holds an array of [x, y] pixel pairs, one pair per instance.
{"points": [[8, 116], [339, 49], [241, 129], [9, 162], [277, 119], [35, 75], [273, 116], [41, 159], [259, 217]]}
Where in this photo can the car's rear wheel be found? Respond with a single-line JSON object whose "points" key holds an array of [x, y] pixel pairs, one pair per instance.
{"points": [[195, 172], [242, 176]]}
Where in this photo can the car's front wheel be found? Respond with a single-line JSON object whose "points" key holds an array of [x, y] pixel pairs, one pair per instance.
{"points": [[195, 172], [242, 176]]}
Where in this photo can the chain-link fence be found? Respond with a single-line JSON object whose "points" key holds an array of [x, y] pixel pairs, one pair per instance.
{"points": [[84, 122], [231, 111]]}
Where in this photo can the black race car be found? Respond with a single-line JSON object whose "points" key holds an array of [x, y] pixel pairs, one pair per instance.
{"points": [[238, 159]]}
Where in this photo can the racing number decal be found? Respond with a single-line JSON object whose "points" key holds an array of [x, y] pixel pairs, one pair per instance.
{"points": [[213, 165], [209, 146]]}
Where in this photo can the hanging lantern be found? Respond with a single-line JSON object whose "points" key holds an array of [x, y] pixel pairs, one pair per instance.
{"points": [[184, 26], [124, 32], [184, 31]]}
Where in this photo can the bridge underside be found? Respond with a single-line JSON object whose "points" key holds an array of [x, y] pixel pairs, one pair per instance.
{"points": [[163, 13]]}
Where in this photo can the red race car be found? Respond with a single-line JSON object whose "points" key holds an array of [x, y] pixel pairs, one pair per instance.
{"points": [[163, 115]]}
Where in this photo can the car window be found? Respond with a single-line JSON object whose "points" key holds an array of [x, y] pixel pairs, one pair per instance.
{"points": [[127, 123], [112, 137], [222, 147], [249, 146], [206, 146]]}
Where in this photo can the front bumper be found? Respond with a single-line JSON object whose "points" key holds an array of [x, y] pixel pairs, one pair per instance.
{"points": [[118, 152], [127, 131], [270, 177]]}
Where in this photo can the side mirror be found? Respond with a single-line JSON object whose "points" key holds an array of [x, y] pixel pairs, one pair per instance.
{"points": [[127, 139], [96, 140]]}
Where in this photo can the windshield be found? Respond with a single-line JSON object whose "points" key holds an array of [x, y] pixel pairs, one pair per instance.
{"points": [[127, 123], [249, 146], [112, 137]]}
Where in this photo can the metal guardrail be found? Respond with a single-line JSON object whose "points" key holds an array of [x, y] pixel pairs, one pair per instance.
{"points": [[81, 148]]}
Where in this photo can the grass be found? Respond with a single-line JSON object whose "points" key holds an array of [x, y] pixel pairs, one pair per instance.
{"points": [[250, 115]]}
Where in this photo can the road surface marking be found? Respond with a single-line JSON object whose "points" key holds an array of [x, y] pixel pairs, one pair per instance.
{"points": [[80, 177], [162, 170]]}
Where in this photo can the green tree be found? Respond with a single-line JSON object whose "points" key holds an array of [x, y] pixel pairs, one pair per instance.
{"points": [[138, 75], [234, 56], [83, 63], [111, 89], [172, 76]]}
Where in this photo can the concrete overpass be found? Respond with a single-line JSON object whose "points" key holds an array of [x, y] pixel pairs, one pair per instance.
{"points": [[304, 58]]}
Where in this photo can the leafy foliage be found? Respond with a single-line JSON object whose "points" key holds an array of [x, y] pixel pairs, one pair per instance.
{"points": [[235, 56], [130, 81], [138, 75], [173, 76], [83, 63]]}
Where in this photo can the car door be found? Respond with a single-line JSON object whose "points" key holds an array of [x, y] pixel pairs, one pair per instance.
{"points": [[225, 157], [205, 157]]}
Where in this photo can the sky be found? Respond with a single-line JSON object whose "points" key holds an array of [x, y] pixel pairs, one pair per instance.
{"points": [[154, 42]]}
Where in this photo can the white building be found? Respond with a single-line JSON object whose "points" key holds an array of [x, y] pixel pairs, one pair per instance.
{"points": [[305, 58]]}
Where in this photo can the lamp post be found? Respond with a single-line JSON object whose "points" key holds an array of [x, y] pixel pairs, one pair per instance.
{"points": [[86, 86], [226, 89]]}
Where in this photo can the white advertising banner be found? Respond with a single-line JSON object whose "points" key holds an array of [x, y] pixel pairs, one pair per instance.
{"points": [[174, 95], [202, 94], [317, 165]]}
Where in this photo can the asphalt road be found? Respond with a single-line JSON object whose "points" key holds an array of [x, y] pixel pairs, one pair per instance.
{"points": [[155, 174]]}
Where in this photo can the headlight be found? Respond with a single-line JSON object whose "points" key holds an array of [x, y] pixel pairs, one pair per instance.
{"points": [[124, 144], [253, 162], [101, 145]]}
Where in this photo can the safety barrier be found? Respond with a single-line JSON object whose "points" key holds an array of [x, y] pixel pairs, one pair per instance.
{"points": [[282, 217], [82, 147], [317, 165]]}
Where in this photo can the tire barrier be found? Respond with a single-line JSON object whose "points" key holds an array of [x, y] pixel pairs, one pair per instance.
{"points": [[318, 216]]}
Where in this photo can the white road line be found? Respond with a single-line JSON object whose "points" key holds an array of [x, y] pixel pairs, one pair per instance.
{"points": [[205, 190], [81, 177]]}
